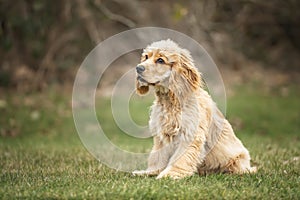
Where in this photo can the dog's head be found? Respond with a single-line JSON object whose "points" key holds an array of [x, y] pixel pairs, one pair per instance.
{"points": [[165, 64]]}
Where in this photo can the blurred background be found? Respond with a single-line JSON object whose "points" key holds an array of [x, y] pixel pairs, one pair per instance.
{"points": [[43, 43], [255, 44]]}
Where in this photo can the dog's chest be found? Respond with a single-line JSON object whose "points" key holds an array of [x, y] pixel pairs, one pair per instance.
{"points": [[174, 121]]}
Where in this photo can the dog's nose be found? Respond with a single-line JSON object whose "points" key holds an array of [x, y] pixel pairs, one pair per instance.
{"points": [[140, 69]]}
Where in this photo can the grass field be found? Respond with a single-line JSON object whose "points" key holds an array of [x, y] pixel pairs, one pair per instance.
{"points": [[41, 155]]}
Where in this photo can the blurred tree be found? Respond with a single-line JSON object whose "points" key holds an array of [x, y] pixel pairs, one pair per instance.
{"points": [[268, 30], [43, 41]]}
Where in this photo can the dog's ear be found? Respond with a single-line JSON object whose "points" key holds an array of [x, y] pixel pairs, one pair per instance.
{"points": [[192, 76], [140, 88], [184, 78]]}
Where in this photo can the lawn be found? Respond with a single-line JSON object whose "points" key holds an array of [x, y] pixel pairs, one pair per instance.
{"points": [[41, 155]]}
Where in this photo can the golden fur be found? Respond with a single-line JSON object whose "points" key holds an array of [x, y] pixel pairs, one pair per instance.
{"points": [[190, 134]]}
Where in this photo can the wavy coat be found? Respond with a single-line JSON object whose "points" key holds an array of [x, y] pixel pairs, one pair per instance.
{"points": [[190, 133]]}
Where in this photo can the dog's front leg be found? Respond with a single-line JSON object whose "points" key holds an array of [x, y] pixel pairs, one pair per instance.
{"points": [[185, 160], [158, 158]]}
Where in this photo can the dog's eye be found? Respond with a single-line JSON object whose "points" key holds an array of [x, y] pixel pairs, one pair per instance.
{"points": [[160, 61], [146, 57]]}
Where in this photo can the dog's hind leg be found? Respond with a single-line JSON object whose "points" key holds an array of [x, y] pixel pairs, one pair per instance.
{"points": [[239, 165]]}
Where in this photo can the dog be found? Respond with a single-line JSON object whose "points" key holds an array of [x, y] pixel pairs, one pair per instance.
{"points": [[190, 134]]}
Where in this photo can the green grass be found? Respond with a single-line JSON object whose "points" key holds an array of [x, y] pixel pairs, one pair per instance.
{"points": [[41, 155]]}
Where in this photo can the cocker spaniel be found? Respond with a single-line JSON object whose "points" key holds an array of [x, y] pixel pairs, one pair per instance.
{"points": [[190, 134]]}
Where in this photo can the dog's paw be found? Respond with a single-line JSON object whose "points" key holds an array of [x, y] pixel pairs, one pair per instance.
{"points": [[139, 173], [253, 170], [169, 175], [160, 176], [170, 172], [148, 172]]}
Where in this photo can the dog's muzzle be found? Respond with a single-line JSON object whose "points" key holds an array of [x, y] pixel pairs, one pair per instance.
{"points": [[140, 69], [140, 78]]}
